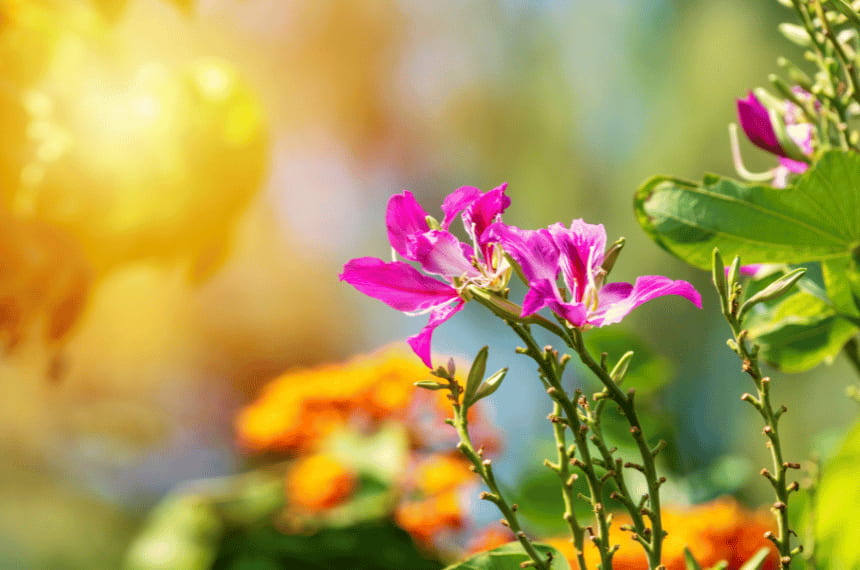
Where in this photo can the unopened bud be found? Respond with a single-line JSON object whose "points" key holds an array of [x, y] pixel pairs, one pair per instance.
{"points": [[773, 291]]}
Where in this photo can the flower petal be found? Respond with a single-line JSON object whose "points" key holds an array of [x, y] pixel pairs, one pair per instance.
{"points": [[618, 299], [457, 201], [794, 166], [755, 121], [545, 293], [440, 252], [581, 249], [404, 218], [420, 342], [485, 210], [397, 284], [533, 250]]}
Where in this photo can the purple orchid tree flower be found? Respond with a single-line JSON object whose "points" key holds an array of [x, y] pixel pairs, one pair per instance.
{"points": [[418, 238], [756, 121], [577, 253]]}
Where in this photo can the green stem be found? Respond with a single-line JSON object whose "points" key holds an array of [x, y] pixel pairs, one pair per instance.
{"points": [[778, 478], [483, 467], [550, 372], [648, 467], [616, 471], [562, 468]]}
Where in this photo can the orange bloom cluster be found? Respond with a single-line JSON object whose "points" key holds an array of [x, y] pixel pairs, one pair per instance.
{"points": [[434, 507], [301, 407], [299, 410], [318, 482], [714, 531]]}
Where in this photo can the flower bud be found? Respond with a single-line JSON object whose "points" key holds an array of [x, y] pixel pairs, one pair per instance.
{"points": [[773, 291]]}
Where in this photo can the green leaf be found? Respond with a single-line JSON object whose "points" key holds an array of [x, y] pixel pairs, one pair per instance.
{"points": [[757, 561], [818, 218], [800, 332], [509, 557], [836, 524]]}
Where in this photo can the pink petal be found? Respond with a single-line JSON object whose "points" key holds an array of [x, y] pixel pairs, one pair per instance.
{"points": [[533, 250], [404, 218], [485, 210], [457, 201], [618, 299], [440, 252], [420, 342], [755, 121], [795, 166], [397, 284], [581, 250]]}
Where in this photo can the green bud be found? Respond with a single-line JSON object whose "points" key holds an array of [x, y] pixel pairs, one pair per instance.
{"points": [[476, 375], [430, 385], [732, 277], [620, 369], [433, 223], [795, 74], [848, 11], [773, 291], [490, 385], [795, 34], [718, 276], [611, 256], [786, 142]]}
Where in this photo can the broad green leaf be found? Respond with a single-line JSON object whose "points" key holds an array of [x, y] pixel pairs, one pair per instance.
{"points": [[509, 557], [836, 523], [818, 218], [800, 332]]}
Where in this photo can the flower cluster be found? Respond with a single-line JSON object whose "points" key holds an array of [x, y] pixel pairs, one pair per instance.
{"points": [[299, 412], [576, 254], [720, 530]]}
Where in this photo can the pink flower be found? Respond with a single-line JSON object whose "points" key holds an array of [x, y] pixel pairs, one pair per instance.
{"points": [[577, 253], [757, 123], [418, 238]]}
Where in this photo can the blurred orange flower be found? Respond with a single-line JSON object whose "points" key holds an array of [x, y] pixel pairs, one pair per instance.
{"points": [[714, 531], [428, 518], [439, 473], [297, 410], [318, 482]]}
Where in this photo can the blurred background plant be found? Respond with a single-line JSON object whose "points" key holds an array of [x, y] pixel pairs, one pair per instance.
{"points": [[180, 183]]}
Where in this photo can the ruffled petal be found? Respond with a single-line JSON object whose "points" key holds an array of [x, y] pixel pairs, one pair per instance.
{"points": [[616, 300], [404, 218], [484, 211], [457, 201], [440, 252], [397, 284], [533, 250], [420, 342], [581, 249], [755, 121]]}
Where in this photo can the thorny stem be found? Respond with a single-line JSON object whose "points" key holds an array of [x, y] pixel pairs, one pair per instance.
{"points": [[484, 468], [651, 541], [730, 292], [550, 370], [615, 469], [562, 468]]}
